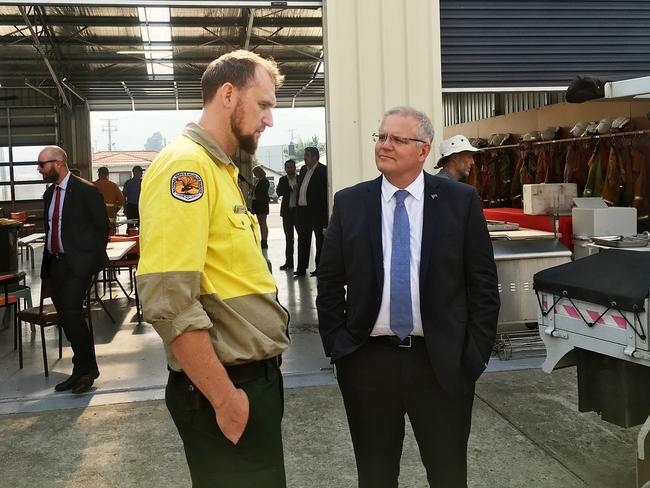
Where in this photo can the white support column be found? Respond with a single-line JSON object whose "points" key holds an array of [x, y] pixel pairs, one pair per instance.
{"points": [[378, 54]]}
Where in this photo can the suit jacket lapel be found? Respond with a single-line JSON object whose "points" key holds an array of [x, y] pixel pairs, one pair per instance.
{"points": [[68, 198], [374, 223], [430, 224], [47, 201]]}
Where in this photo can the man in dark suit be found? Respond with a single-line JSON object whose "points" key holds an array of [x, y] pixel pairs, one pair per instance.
{"points": [[287, 189], [407, 307], [312, 208], [76, 227]]}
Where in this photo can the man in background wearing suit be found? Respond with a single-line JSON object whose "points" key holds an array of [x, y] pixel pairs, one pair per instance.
{"points": [[407, 307], [287, 189], [76, 226], [312, 208]]}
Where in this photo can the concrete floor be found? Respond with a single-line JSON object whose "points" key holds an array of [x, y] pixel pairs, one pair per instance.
{"points": [[526, 427]]}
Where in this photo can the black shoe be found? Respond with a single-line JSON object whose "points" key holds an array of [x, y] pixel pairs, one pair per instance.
{"points": [[286, 266], [314, 273], [299, 273], [85, 382], [67, 384]]}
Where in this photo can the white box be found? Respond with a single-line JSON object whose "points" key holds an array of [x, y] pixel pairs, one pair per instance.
{"points": [[599, 222], [548, 198]]}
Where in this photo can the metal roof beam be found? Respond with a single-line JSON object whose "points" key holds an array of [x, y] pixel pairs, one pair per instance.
{"points": [[134, 60], [136, 41], [128, 92], [41, 51], [113, 21], [248, 17], [177, 3]]}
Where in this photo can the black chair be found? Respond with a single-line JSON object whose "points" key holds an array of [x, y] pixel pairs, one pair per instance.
{"points": [[45, 315]]}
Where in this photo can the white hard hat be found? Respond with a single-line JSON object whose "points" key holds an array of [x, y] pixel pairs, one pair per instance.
{"points": [[455, 145]]}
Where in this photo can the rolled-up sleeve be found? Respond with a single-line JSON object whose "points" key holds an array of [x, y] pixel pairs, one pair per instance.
{"points": [[170, 302]]}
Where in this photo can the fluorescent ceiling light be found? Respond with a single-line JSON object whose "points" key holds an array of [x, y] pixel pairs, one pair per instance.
{"points": [[155, 33], [147, 50]]}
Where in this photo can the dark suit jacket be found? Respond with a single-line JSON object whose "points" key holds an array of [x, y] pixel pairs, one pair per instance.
{"points": [[459, 300], [316, 210], [84, 228], [284, 190]]}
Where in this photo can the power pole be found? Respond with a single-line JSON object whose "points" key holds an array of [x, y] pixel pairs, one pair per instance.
{"points": [[110, 128]]}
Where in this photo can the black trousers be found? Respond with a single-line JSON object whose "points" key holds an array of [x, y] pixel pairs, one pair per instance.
{"points": [[68, 294], [289, 224], [307, 226], [381, 384], [132, 212], [257, 460]]}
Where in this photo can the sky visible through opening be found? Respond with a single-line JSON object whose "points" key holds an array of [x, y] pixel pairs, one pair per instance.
{"points": [[133, 128]]}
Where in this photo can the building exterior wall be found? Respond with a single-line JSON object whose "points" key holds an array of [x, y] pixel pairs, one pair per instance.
{"points": [[542, 43], [378, 54]]}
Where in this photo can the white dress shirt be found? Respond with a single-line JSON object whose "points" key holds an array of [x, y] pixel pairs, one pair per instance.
{"points": [[293, 184], [63, 185], [302, 198], [414, 204]]}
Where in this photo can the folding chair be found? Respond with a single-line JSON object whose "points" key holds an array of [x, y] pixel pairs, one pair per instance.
{"points": [[45, 315]]}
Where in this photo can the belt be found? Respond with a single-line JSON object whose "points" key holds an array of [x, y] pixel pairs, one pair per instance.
{"points": [[391, 340], [239, 374]]}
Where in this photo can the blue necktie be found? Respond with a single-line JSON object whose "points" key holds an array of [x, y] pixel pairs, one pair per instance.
{"points": [[401, 313]]}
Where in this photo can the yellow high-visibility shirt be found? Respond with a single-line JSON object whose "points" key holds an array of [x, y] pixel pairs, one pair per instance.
{"points": [[201, 265]]}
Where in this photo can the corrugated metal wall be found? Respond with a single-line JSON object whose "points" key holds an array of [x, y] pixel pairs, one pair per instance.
{"points": [[523, 43], [466, 107]]}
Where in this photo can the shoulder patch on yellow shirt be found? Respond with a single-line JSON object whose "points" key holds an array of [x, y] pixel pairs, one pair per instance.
{"points": [[187, 186]]}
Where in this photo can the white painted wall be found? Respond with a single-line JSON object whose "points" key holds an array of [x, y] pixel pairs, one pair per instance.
{"points": [[378, 54]]}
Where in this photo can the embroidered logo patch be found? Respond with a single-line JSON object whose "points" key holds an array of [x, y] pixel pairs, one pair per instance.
{"points": [[186, 186]]}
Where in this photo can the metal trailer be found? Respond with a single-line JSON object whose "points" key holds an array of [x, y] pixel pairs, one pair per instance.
{"points": [[603, 337]]}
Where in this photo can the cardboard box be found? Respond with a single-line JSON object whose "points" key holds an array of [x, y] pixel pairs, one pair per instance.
{"points": [[549, 198]]}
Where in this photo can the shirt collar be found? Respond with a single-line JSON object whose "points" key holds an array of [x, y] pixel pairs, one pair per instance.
{"points": [[202, 138], [415, 189], [64, 182]]}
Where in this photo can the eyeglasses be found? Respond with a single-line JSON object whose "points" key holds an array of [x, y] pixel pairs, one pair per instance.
{"points": [[41, 164], [395, 140]]}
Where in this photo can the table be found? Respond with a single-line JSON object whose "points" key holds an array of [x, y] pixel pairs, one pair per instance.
{"points": [[521, 233], [27, 242], [540, 222], [116, 250]]}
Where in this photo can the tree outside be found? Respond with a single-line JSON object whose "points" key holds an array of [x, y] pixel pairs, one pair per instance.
{"points": [[300, 145], [154, 143]]}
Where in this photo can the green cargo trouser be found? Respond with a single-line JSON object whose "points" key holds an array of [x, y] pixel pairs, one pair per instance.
{"points": [[257, 460]]}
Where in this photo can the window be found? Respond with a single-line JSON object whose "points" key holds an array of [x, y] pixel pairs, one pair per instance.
{"points": [[30, 192], [19, 174]]}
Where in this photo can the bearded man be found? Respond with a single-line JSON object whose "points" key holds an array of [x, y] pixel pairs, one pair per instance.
{"points": [[207, 290]]}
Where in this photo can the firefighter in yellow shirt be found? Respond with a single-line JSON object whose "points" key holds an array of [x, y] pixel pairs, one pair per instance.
{"points": [[206, 288]]}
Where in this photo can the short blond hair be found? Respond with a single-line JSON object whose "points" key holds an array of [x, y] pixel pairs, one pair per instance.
{"points": [[238, 68]]}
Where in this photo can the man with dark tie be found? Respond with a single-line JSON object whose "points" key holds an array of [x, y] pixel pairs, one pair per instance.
{"points": [[312, 208], [76, 226], [287, 186], [407, 307]]}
